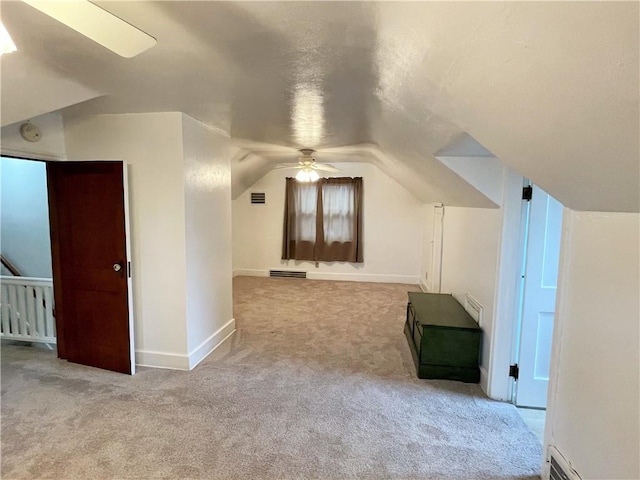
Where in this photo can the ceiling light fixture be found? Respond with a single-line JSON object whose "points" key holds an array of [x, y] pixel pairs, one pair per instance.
{"points": [[6, 44], [308, 167], [307, 175]]}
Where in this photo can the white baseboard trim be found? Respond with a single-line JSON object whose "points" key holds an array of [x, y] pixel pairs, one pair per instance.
{"points": [[364, 277], [343, 277], [250, 273], [484, 380], [203, 350], [177, 361], [172, 361], [424, 287]]}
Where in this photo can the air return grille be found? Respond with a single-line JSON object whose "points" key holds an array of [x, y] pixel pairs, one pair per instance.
{"points": [[473, 308], [559, 468], [557, 472], [258, 198], [287, 273]]}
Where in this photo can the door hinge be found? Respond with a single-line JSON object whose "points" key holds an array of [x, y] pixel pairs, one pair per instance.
{"points": [[514, 371], [527, 193], [129, 269]]}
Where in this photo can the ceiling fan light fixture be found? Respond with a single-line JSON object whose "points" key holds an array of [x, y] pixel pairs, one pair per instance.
{"points": [[6, 44], [307, 175]]}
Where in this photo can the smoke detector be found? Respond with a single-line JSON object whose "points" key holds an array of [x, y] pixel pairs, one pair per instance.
{"points": [[30, 132]]}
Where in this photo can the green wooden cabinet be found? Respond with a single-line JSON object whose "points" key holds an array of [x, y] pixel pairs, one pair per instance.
{"points": [[443, 338]]}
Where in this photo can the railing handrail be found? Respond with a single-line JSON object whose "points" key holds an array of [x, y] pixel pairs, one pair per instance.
{"points": [[38, 282], [9, 266]]}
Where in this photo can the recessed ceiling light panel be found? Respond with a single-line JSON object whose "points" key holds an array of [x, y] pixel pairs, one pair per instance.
{"points": [[6, 44], [97, 24]]}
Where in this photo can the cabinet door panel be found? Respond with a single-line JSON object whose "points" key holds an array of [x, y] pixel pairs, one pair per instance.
{"points": [[453, 347]]}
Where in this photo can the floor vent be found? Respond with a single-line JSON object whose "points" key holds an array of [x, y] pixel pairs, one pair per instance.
{"points": [[258, 198], [287, 273], [559, 468]]}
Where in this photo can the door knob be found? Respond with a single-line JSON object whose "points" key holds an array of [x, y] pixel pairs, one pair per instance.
{"points": [[117, 267]]}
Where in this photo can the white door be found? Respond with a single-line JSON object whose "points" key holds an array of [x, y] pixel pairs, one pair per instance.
{"points": [[540, 283]]}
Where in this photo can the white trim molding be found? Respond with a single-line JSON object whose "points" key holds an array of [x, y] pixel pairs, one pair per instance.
{"points": [[177, 361], [503, 324], [172, 361], [365, 277], [207, 347], [28, 155], [250, 273], [339, 277]]}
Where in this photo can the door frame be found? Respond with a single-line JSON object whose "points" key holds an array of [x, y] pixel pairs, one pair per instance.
{"points": [[497, 383], [435, 284], [507, 301], [129, 273], [52, 207], [523, 243]]}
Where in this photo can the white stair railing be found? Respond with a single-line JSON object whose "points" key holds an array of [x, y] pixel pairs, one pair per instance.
{"points": [[26, 309]]}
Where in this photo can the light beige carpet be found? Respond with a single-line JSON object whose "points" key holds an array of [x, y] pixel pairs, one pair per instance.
{"points": [[318, 382]]}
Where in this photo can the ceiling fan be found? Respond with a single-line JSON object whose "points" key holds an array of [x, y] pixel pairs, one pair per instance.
{"points": [[97, 24], [308, 166]]}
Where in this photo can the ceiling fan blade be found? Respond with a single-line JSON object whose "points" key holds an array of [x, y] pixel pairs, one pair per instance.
{"points": [[282, 166], [97, 24], [325, 167]]}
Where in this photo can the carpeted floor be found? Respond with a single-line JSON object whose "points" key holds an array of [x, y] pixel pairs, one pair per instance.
{"points": [[317, 382]]}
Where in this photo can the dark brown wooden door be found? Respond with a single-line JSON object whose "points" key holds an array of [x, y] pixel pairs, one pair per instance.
{"points": [[88, 240]]}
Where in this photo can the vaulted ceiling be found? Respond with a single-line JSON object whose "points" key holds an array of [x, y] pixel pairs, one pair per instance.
{"points": [[551, 89]]}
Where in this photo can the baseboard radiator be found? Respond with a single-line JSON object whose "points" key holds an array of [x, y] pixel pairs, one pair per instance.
{"points": [[559, 467], [288, 273], [474, 308]]}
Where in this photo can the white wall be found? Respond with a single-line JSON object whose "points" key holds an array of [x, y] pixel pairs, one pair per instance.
{"points": [[393, 229], [469, 263], [484, 173], [24, 217], [207, 161], [51, 145], [594, 395], [151, 144]]}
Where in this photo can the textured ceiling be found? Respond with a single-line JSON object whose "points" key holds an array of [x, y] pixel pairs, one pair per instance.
{"points": [[551, 89]]}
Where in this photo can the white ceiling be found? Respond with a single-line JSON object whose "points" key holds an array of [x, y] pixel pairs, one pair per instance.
{"points": [[551, 89]]}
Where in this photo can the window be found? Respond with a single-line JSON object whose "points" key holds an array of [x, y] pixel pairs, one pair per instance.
{"points": [[305, 204], [323, 220]]}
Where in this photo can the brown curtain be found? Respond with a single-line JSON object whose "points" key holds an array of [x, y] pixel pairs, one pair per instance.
{"points": [[323, 220]]}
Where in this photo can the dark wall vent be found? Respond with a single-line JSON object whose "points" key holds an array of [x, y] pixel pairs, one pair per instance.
{"points": [[287, 273], [258, 198], [557, 472], [559, 469]]}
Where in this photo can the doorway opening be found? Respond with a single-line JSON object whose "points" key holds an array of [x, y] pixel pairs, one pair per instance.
{"points": [[537, 279], [86, 238], [26, 296]]}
